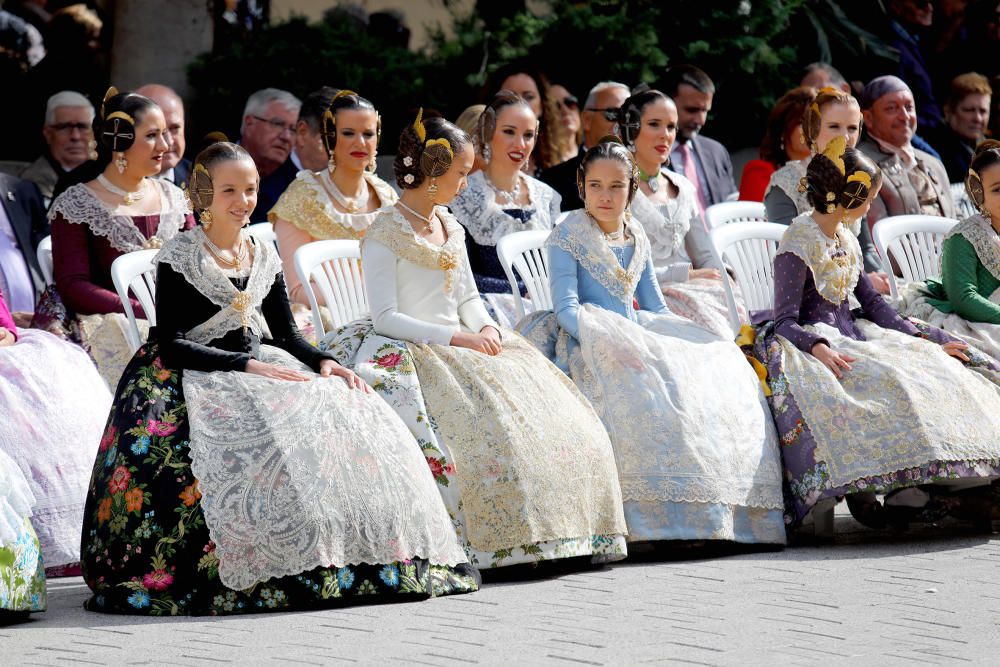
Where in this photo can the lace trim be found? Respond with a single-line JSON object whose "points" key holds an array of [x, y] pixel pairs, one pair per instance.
{"points": [[806, 240], [307, 205], [787, 179], [978, 231], [393, 231], [187, 256], [580, 237], [666, 231], [80, 205], [477, 210], [16, 500]]}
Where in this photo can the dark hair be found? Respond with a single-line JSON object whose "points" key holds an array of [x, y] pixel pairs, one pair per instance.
{"points": [[836, 78], [545, 152], [812, 118], [827, 186], [200, 188], [314, 105], [987, 155], [630, 113], [690, 75], [787, 112], [609, 148], [347, 100], [426, 163]]}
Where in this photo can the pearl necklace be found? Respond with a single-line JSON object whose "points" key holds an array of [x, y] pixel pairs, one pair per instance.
{"points": [[238, 257], [616, 235], [351, 204], [428, 221], [508, 197], [129, 197]]}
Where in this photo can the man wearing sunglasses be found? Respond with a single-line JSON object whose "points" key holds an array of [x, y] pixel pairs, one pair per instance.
{"points": [[67, 133], [598, 119], [268, 134]]}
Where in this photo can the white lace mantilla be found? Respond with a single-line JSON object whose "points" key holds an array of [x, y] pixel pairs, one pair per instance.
{"points": [[308, 204], [666, 224], [394, 231], [580, 237], [477, 210], [80, 205], [834, 281], [187, 255], [787, 179], [978, 231]]}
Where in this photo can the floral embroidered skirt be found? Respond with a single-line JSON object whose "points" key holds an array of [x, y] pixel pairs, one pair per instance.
{"points": [[22, 573], [703, 301], [522, 462], [899, 418], [146, 545], [695, 445]]}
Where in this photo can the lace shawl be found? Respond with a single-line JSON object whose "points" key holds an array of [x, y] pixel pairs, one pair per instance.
{"points": [[187, 256], [393, 231], [787, 179], [978, 231], [477, 210], [666, 234], [307, 205], [806, 240], [80, 205], [579, 236]]}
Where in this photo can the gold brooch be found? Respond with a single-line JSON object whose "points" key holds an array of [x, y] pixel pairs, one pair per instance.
{"points": [[152, 243], [241, 304]]}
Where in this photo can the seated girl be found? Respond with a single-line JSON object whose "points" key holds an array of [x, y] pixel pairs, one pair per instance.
{"points": [[241, 469], [696, 449], [523, 463]]}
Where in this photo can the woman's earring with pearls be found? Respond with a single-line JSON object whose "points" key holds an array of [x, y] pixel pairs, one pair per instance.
{"points": [[121, 164], [432, 189]]}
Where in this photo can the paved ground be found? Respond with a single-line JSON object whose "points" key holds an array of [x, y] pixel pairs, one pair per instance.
{"points": [[927, 597]]}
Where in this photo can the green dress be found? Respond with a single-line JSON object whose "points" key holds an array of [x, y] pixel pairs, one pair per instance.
{"points": [[22, 574]]}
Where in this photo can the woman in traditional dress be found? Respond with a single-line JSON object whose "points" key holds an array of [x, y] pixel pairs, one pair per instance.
{"points": [[696, 449], [667, 207], [833, 113], [241, 469], [501, 198], [22, 573], [121, 210], [54, 406], [965, 298], [865, 405], [340, 202], [523, 463]]}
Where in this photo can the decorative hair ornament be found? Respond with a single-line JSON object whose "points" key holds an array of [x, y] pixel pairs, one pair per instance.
{"points": [[834, 152], [328, 126], [630, 126], [974, 186], [487, 126], [117, 130], [436, 155], [200, 189], [418, 126], [112, 91]]}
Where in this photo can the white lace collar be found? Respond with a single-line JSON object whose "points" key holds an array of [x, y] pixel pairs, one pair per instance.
{"points": [[788, 178], [666, 231], [580, 236], [834, 279], [978, 231], [477, 210], [393, 230], [187, 255], [81, 205]]}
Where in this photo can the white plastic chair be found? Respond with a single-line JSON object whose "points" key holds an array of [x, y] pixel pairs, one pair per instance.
{"points": [[44, 255], [525, 252], [264, 232], [914, 242], [748, 249], [135, 271], [724, 213], [334, 268]]}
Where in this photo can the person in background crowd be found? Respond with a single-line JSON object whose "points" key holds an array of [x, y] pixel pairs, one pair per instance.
{"points": [[268, 134], [783, 141], [568, 131], [532, 86], [914, 181], [703, 161], [466, 121], [309, 152], [597, 120], [175, 167], [69, 140], [909, 19], [967, 118], [22, 227], [824, 75]]}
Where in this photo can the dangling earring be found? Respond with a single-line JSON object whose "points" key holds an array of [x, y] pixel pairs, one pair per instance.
{"points": [[487, 154], [432, 189], [373, 163], [206, 219], [120, 162], [331, 163], [92, 150]]}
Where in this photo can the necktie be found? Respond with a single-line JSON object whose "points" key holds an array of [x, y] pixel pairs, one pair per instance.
{"points": [[691, 173]]}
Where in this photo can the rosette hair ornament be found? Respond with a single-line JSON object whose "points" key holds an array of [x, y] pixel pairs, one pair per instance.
{"points": [[436, 155], [200, 193]]}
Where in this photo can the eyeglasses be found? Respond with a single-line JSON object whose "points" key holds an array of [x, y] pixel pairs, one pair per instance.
{"points": [[610, 113], [67, 128], [570, 102], [278, 126]]}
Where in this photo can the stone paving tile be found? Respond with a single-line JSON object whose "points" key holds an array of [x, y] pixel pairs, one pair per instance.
{"points": [[929, 597]]}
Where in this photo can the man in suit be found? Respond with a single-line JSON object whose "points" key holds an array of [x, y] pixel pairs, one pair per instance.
{"points": [[268, 134], [22, 226], [68, 131], [705, 162], [913, 181], [598, 119], [175, 168], [309, 151]]}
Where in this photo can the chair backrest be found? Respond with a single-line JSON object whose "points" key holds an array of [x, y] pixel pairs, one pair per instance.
{"points": [[135, 272], [914, 242], [263, 231], [748, 249], [333, 267], [963, 204], [724, 213], [44, 255], [525, 253]]}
